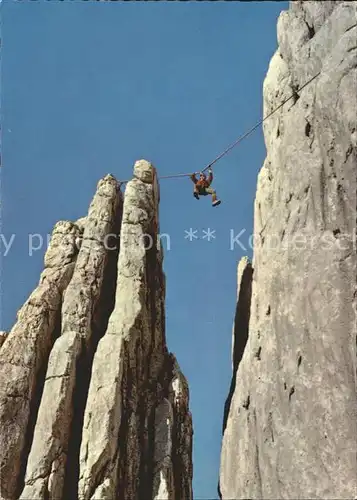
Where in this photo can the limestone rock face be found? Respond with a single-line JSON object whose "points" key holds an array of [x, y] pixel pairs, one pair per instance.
{"points": [[24, 356], [89, 398], [290, 429], [143, 171]]}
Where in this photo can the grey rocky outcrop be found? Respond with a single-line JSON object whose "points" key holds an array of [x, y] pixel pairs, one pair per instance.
{"points": [[92, 404], [24, 355], [290, 429]]}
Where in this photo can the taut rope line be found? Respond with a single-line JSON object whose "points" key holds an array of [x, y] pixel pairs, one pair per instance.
{"points": [[241, 138]]}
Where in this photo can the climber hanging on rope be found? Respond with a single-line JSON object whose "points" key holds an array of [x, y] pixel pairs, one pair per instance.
{"points": [[203, 187]]}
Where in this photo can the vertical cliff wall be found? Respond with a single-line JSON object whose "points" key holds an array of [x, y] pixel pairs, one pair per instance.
{"points": [[290, 423], [92, 403]]}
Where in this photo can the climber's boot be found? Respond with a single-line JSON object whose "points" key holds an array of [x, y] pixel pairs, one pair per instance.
{"points": [[196, 195], [215, 202]]}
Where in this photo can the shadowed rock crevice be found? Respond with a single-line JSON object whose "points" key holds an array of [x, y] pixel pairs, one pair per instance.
{"points": [[153, 369], [3, 336], [241, 326], [311, 30], [101, 314], [307, 128], [182, 431], [128, 423], [146, 444], [34, 408]]}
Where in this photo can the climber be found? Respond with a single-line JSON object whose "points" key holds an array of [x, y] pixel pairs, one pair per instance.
{"points": [[202, 187]]}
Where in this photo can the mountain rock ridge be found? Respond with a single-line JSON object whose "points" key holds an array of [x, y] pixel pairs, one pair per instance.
{"points": [[290, 423], [92, 403]]}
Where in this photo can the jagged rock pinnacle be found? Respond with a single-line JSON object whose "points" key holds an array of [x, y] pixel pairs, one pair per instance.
{"points": [[92, 404]]}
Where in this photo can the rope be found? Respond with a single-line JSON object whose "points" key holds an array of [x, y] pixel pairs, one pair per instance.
{"points": [[240, 139], [244, 136]]}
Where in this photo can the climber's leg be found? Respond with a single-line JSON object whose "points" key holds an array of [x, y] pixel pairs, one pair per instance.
{"points": [[195, 193], [212, 192]]}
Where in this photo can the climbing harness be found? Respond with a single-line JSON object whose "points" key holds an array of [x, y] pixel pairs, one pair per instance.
{"points": [[241, 138]]}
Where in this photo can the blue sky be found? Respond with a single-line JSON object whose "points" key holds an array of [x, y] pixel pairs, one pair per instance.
{"points": [[87, 89]]}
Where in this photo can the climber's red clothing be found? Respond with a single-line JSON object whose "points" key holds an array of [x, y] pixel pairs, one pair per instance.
{"points": [[202, 187], [204, 182]]}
